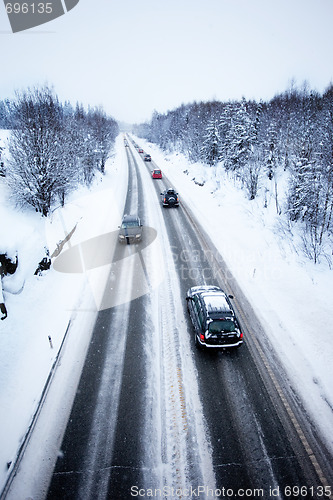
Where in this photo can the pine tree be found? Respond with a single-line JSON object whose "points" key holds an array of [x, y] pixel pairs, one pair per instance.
{"points": [[211, 148], [239, 139]]}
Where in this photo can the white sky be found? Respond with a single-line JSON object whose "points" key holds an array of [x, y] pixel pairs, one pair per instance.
{"points": [[134, 56]]}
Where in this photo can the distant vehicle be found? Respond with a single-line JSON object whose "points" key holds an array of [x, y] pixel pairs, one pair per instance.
{"points": [[156, 174], [170, 198], [147, 158], [213, 318], [2, 166], [140, 150], [130, 230]]}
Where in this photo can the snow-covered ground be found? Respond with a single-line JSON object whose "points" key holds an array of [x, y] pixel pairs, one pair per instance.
{"points": [[41, 307], [291, 295]]}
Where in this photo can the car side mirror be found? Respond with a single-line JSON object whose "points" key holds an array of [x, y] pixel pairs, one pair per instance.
{"points": [[189, 298], [230, 296]]}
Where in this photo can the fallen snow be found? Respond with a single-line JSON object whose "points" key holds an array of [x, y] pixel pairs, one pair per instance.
{"points": [[292, 296], [40, 307]]}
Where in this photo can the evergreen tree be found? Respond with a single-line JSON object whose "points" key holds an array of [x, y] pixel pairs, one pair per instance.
{"points": [[210, 150], [4, 115], [239, 139]]}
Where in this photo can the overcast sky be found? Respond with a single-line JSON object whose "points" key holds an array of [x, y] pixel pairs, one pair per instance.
{"points": [[134, 56]]}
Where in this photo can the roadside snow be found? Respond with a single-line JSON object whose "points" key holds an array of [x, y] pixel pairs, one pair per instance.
{"points": [[292, 296], [41, 307]]}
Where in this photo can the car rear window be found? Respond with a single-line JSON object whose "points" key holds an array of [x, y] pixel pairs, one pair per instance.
{"points": [[222, 325]]}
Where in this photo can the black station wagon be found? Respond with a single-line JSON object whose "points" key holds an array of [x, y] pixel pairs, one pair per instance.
{"points": [[213, 318]]}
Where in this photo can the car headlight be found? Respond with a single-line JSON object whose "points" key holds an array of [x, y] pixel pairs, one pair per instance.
{"points": [[138, 235], [121, 236]]}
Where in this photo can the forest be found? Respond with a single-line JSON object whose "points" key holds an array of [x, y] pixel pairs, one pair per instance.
{"points": [[253, 141], [52, 147]]}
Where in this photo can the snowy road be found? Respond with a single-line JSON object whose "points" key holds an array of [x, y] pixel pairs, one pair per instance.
{"points": [[151, 412]]}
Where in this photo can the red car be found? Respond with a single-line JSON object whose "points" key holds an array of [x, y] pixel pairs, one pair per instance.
{"points": [[140, 150], [156, 174]]}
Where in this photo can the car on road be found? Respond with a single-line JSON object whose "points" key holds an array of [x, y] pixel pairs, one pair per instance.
{"points": [[170, 198], [140, 150], [130, 230], [147, 158], [213, 318], [156, 173]]}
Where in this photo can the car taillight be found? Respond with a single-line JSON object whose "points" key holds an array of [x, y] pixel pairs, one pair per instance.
{"points": [[241, 335], [202, 337]]}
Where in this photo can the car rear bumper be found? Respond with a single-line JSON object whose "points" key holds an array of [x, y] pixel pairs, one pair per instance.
{"points": [[219, 346]]}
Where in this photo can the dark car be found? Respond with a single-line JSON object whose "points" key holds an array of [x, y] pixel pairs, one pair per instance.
{"points": [[213, 318], [147, 158], [170, 198], [130, 230], [156, 174]]}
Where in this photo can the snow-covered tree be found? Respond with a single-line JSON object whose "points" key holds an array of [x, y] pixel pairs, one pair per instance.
{"points": [[103, 131], [224, 128], [304, 156], [4, 114], [239, 139], [211, 148], [35, 170]]}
